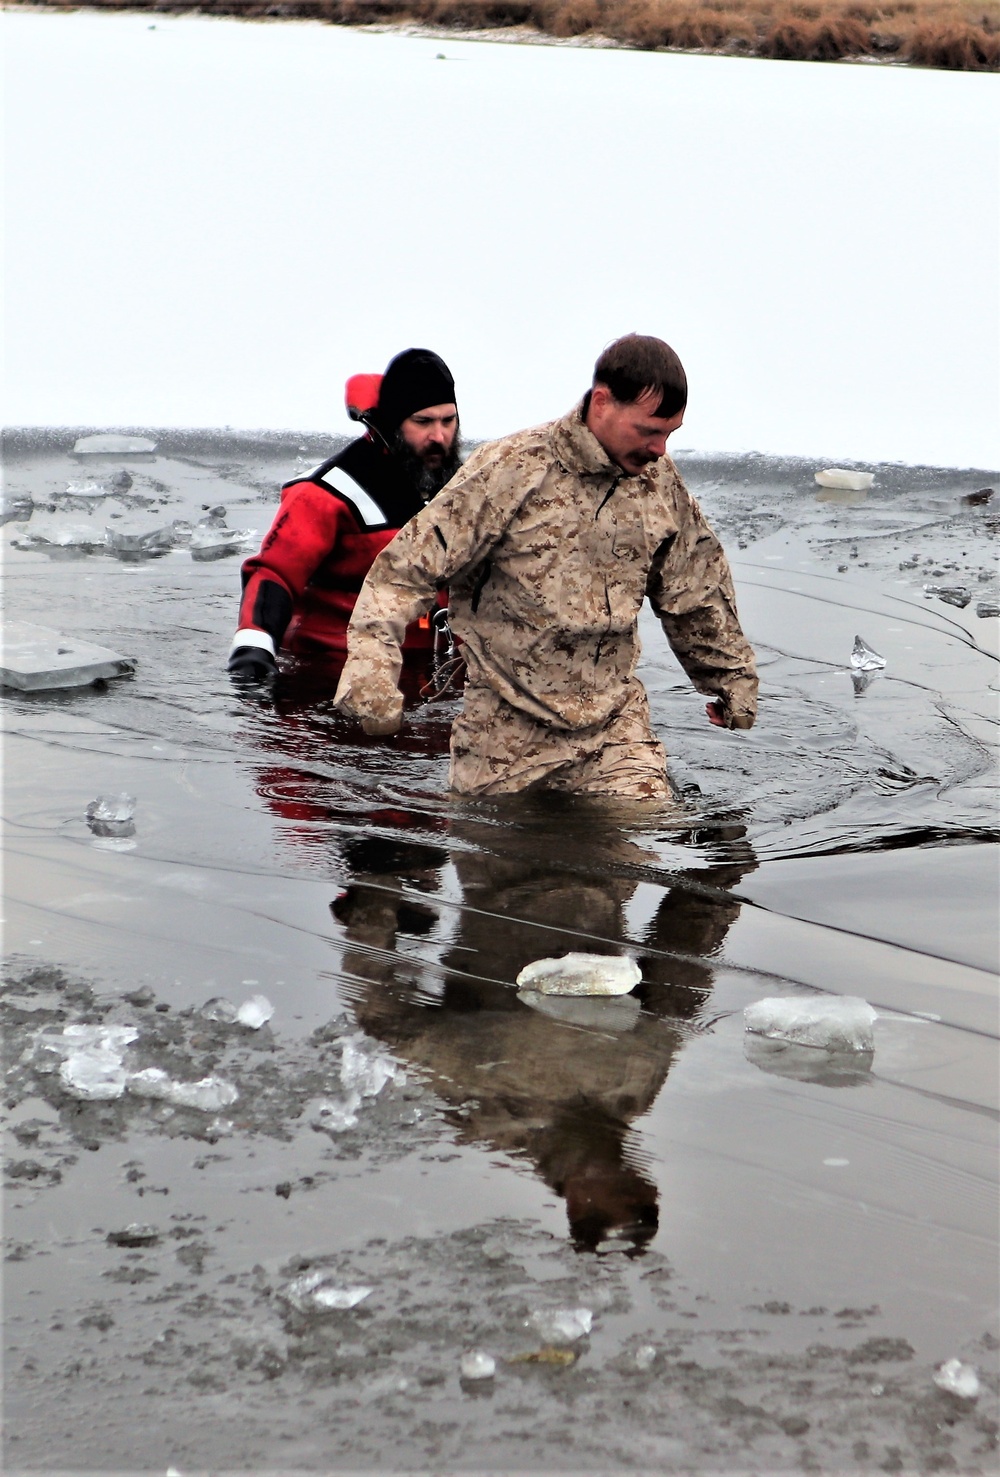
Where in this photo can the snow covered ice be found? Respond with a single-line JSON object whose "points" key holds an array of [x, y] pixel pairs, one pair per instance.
{"points": [[581, 974], [832, 1022], [562, 1325], [865, 658], [958, 1379], [255, 1012]]}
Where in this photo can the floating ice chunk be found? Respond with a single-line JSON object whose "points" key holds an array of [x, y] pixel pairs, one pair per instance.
{"points": [[208, 1095], [958, 1379], [845, 480], [581, 974], [219, 1009], [115, 808], [36, 658], [113, 445], [54, 533], [645, 1356], [255, 1012], [316, 1293], [833, 1022], [93, 1066], [864, 658], [216, 543], [562, 1325], [475, 1365], [15, 507], [133, 1235], [950, 594], [141, 536], [86, 495], [366, 1072], [593, 1012]]}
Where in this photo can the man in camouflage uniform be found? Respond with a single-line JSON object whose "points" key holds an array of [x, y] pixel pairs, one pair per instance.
{"points": [[549, 541]]}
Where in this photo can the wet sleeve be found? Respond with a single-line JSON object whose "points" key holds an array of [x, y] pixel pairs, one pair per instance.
{"points": [[305, 530], [690, 587], [449, 537]]}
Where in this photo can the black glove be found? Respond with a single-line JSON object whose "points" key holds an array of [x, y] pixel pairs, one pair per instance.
{"points": [[251, 664]]}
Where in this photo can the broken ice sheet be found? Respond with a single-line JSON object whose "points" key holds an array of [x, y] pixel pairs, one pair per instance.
{"points": [[831, 1022], [581, 974], [864, 658], [316, 1293]]}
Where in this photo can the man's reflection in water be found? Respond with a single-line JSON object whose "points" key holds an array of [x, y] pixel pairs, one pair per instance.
{"points": [[562, 1084]]}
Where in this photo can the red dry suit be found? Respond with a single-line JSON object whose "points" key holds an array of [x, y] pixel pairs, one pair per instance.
{"points": [[299, 590]]}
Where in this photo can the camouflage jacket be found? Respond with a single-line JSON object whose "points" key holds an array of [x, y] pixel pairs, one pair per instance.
{"points": [[549, 548]]}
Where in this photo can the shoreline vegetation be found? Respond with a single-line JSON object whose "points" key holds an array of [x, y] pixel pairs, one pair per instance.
{"points": [[957, 35]]}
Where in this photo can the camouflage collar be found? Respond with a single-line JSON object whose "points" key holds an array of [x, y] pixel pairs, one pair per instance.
{"points": [[579, 449]]}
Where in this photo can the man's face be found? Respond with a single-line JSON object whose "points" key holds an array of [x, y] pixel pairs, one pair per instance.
{"points": [[430, 434], [631, 434]]}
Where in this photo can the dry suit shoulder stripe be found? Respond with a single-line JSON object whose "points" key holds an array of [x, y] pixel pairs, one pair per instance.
{"points": [[369, 514]]}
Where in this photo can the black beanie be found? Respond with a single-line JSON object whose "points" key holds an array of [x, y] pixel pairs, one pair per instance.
{"points": [[414, 380]]}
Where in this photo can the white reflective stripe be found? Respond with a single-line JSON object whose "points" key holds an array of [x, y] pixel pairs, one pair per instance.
{"points": [[250, 637], [341, 481]]}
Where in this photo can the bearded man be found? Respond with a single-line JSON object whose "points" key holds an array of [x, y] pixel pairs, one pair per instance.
{"points": [[549, 541], [299, 590]]}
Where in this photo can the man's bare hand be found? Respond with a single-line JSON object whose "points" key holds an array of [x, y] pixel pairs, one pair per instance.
{"points": [[714, 711]]}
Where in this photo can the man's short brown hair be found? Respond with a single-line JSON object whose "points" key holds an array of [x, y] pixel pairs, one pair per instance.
{"points": [[637, 364]]}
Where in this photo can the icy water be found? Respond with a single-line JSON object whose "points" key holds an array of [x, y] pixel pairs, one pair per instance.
{"points": [[777, 1246]]}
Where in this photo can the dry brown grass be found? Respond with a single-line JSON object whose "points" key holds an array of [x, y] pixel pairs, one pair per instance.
{"points": [[960, 35]]}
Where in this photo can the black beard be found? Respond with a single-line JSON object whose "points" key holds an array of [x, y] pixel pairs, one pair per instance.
{"points": [[427, 480]]}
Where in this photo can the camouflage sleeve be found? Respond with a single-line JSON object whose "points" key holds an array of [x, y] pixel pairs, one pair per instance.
{"points": [[691, 589], [453, 533]]}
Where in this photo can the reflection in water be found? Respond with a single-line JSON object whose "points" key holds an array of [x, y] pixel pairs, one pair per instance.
{"points": [[561, 1086]]}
